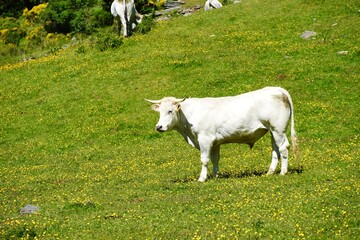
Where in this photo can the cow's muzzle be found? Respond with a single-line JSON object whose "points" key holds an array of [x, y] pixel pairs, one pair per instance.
{"points": [[159, 128]]}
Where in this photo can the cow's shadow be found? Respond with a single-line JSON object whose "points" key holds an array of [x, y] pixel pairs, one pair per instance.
{"points": [[241, 174]]}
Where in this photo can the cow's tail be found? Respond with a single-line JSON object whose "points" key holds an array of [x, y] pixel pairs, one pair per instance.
{"points": [[292, 127]]}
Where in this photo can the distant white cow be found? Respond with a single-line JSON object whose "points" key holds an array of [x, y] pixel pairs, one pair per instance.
{"points": [[126, 15], [206, 123], [210, 4]]}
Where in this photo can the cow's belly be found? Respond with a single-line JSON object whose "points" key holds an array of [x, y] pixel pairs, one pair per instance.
{"points": [[241, 137]]}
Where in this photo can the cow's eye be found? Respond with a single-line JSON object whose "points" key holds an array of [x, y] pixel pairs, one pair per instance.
{"points": [[170, 112]]}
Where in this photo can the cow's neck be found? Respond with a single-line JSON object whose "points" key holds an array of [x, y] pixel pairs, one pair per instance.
{"points": [[184, 128]]}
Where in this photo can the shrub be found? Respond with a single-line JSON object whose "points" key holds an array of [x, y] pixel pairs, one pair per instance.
{"points": [[66, 16], [13, 35], [33, 14], [8, 22], [9, 49], [36, 35], [10, 31], [228, 2], [102, 17], [148, 6], [105, 41], [57, 16], [146, 24], [56, 39], [88, 20], [14, 8], [81, 49]]}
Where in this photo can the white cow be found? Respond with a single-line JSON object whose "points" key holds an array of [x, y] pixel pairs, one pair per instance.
{"points": [[206, 123], [126, 15], [210, 4]]}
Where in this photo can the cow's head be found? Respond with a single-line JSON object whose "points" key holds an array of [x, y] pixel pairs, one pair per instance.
{"points": [[168, 108]]}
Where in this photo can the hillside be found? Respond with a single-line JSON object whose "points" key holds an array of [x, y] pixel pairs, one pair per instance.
{"points": [[77, 138]]}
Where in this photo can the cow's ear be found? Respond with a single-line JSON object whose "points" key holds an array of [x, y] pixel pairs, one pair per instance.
{"points": [[177, 107], [155, 107]]}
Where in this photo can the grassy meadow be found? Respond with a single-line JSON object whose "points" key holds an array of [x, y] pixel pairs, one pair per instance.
{"points": [[77, 138]]}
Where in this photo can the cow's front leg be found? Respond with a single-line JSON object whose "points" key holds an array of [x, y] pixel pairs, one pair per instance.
{"points": [[205, 145], [204, 158], [205, 150]]}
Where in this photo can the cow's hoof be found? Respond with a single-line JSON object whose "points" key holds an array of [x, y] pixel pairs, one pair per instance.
{"points": [[201, 179], [270, 172]]}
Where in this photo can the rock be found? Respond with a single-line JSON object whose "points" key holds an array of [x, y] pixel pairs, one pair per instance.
{"points": [[342, 52], [173, 4], [188, 11], [166, 10], [163, 15], [307, 35], [162, 18], [29, 209]]}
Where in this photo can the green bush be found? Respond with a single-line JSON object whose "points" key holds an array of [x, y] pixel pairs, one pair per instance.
{"points": [[8, 22], [10, 31], [105, 41], [13, 35], [146, 24], [57, 16], [66, 16], [9, 49], [148, 6], [101, 17], [88, 20]]}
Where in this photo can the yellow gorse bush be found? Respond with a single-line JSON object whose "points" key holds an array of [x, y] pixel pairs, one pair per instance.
{"points": [[56, 37], [36, 33], [4, 32], [157, 3], [35, 11]]}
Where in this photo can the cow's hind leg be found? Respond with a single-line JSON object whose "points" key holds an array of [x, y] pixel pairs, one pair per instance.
{"points": [[118, 23], [215, 156], [124, 25], [280, 146], [275, 156]]}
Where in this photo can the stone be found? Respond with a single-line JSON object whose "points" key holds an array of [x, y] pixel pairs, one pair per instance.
{"points": [[307, 35], [29, 209], [342, 52]]}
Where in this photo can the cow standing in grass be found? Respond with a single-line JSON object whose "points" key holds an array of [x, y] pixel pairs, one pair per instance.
{"points": [[126, 15], [206, 123], [212, 4]]}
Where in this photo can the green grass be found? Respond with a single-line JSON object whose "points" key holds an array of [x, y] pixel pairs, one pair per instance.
{"points": [[77, 139]]}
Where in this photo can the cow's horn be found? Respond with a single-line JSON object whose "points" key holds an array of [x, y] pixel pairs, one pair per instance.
{"points": [[179, 100], [153, 101]]}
